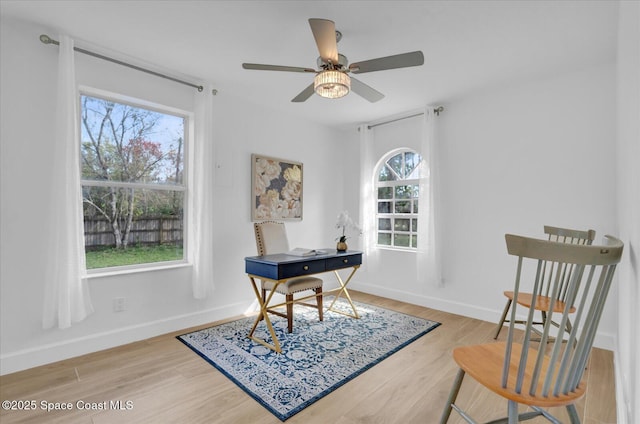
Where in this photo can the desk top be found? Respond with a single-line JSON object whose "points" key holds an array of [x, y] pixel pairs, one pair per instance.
{"points": [[281, 266], [283, 258]]}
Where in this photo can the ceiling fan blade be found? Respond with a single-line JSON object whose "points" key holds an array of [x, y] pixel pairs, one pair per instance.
{"points": [[259, 67], [324, 31], [304, 95], [403, 60], [365, 91]]}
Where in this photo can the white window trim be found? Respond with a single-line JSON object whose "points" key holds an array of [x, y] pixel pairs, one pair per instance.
{"points": [[135, 269]]}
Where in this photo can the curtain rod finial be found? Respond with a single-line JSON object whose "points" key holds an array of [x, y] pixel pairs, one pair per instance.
{"points": [[47, 40]]}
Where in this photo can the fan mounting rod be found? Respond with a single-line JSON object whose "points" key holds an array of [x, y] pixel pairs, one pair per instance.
{"points": [[342, 63]]}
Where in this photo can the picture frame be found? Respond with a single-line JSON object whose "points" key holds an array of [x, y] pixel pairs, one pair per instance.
{"points": [[276, 189]]}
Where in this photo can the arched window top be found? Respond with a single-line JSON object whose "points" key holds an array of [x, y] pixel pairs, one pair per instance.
{"points": [[403, 165]]}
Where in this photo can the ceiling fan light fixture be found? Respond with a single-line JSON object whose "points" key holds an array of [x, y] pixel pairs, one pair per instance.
{"points": [[332, 84]]}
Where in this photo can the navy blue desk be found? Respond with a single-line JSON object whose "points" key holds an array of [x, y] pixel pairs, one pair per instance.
{"points": [[281, 267]]}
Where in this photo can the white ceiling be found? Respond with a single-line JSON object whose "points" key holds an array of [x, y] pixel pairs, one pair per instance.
{"points": [[468, 45]]}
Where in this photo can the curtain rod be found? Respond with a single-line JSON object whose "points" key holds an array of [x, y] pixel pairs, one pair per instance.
{"points": [[48, 40], [436, 111]]}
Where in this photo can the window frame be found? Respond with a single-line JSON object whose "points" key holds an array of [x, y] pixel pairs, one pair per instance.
{"points": [[414, 199], [184, 187]]}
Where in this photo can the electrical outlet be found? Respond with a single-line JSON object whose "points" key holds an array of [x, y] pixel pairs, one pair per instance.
{"points": [[119, 304]]}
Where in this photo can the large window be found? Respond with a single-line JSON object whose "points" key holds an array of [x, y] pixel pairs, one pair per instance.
{"points": [[397, 200], [133, 181]]}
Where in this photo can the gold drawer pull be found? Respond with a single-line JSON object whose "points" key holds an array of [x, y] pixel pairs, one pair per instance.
{"points": [[345, 261], [306, 267]]}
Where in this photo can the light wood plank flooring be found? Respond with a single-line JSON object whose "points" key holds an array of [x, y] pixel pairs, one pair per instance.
{"points": [[165, 382]]}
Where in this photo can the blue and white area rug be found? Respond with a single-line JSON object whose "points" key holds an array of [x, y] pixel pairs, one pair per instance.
{"points": [[317, 358]]}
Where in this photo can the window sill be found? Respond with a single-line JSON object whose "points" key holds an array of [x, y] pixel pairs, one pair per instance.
{"points": [[396, 249], [115, 271]]}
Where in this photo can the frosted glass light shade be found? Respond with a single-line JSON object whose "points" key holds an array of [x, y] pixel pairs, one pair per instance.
{"points": [[332, 84]]}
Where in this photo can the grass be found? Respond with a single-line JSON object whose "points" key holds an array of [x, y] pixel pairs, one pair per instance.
{"points": [[133, 255]]}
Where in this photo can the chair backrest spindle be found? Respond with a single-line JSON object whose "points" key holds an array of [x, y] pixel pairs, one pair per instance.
{"points": [[568, 236]]}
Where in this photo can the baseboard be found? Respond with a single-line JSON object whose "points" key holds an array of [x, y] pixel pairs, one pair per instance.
{"points": [[53, 352], [621, 402], [602, 340]]}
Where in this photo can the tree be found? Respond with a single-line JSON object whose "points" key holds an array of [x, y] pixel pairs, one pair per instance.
{"points": [[117, 147]]}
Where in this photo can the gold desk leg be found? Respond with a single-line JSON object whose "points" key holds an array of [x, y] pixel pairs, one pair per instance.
{"points": [[343, 289], [263, 314]]}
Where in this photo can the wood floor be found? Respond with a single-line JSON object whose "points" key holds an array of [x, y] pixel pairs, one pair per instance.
{"points": [[160, 380]]}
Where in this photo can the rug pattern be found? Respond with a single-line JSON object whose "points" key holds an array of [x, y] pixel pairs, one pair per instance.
{"points": [[317, 358]]}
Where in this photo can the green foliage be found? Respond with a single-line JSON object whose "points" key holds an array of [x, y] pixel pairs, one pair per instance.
{"points": [[133, 255]]}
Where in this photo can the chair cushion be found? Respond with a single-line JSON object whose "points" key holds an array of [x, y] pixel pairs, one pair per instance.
{"points": [[294, 285]]}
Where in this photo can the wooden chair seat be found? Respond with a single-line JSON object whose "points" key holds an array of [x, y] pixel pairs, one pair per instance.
{"points": [[542, 302], [485, 363]]}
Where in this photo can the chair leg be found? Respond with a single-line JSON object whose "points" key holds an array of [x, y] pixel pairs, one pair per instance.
{"points": [[290, 313], [512, 409], [503, 318], [264, 298], [319, 301], [452, 396], [573, 414]]}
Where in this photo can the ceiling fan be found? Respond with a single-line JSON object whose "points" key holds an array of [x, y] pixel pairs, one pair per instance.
{"points": [[332, 79]]}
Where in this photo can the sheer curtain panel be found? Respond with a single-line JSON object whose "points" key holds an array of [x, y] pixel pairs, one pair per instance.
{"points": [[66, 298], [367, 199], [428, 263], [201, 203]]}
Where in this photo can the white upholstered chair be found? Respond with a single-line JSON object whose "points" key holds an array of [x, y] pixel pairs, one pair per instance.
{"points": [[271, 237]]}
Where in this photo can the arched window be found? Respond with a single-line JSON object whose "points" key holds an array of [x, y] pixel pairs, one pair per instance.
{"points": [[397, 187]]}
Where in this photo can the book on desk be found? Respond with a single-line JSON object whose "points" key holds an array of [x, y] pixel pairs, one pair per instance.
{"points": [[301, 251]]}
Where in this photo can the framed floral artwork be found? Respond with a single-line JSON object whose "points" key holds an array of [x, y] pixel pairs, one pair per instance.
{"points": [[276, 187]]}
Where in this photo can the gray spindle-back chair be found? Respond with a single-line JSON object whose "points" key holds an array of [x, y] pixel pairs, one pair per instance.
{"points": [[271, 237], [551, 374], [543, 295]]}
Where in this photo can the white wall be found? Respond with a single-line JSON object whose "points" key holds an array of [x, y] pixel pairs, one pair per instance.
{"points": [[160, 301], [628, 341], [513, 158]]}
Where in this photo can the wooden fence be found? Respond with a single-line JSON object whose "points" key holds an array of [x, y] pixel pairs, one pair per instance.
{"points": [[150, 230]]}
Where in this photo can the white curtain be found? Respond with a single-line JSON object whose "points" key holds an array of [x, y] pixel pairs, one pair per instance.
{"points": [[201, 201], [428, 263], [66, 298], [367, 199]]}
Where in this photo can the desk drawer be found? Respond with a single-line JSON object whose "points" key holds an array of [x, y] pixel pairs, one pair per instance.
{"points": [[297, 269], [346, 261]]}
